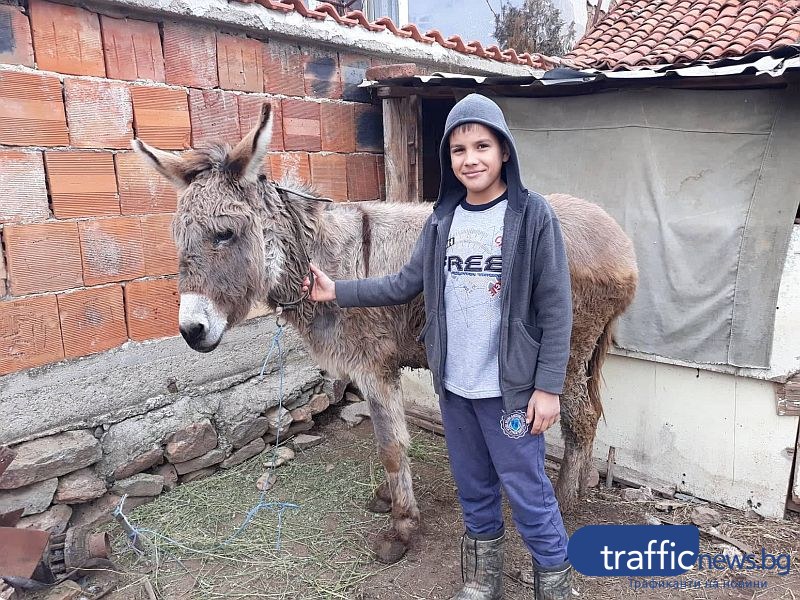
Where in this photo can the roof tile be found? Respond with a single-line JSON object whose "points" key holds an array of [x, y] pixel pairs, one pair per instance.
{"points": [[632, 33], [329, 10], [359, 16], [417, 35], [324, 10], [393, 28], [460, 46], [637, 33], [437, 35]]}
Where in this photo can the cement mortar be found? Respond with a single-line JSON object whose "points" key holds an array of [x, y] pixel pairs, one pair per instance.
{"points": [[135, 379]]}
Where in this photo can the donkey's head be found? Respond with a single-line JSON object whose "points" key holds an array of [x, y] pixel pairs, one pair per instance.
{"points": [[229, 256]]}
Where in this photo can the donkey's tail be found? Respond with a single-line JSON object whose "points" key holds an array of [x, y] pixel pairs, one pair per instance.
{"points": [[595, 366]]}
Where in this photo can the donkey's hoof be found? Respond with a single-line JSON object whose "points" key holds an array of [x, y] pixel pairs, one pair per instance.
{"points": [[379, 505], [388, 549]]}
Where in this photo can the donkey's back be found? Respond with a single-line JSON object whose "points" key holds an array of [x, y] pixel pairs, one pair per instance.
{"points": [[355, 241], [368, 239]]}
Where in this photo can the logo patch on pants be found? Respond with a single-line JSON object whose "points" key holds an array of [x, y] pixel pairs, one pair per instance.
{"points": [[513, 424]]}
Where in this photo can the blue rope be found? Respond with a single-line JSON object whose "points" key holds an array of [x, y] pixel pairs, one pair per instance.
{"points": [[278, 508]]}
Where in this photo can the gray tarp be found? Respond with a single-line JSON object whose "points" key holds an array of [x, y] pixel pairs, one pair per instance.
{"points": [[706, 183]]}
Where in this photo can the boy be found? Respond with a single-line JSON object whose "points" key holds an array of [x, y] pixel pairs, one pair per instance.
{"points": [[497, 339]]}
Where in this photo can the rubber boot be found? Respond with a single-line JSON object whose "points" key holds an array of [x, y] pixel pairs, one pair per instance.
{"points": [[481, 568], [552, 583]]}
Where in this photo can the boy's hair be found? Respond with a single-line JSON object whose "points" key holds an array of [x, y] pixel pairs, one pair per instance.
{"points": [[470, 125]]}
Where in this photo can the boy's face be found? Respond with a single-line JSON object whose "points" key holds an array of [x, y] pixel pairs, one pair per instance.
{"points": [[477, 157]]}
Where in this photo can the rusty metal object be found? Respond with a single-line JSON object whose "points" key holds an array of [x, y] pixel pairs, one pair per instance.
{"points": [[81, 545], [73, 549], [37, 561], [55, 556], [26, 548], [99, 545], [32, 558]]}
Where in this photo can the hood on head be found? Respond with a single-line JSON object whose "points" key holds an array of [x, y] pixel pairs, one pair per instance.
{"points": [[475, 108]]}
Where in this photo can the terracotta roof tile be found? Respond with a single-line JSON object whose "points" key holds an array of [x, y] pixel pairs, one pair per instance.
{"points": [[275, 5], [305, 11], [329, 11], [392, 27], [417, 35], [324, 11], [476, 48], [640, 32], [437, 35], [460, 46], [758, 46], [496, 53], [362, 20]]}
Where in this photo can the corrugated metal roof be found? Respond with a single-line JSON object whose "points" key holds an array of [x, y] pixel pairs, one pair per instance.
{"points": [[758, 68]]}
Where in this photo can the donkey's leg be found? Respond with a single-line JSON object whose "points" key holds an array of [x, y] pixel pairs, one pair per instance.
{"points": [[391, 433]]}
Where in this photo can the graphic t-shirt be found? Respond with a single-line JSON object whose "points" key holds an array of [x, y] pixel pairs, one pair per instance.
{"points": [[473, 267]]}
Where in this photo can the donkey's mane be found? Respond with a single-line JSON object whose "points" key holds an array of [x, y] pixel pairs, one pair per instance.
{"points": [[215, 157]]}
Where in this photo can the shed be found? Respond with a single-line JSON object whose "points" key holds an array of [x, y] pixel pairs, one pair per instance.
{"points": [[698, 163]]}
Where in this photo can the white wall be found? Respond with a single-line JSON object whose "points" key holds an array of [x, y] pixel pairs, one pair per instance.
{"points": [[712, 435]]}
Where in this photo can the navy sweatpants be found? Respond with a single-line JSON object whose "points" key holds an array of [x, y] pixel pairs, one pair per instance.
{"points": [[482, 458]]}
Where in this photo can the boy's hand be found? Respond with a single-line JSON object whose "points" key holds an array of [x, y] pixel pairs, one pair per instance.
{"points": [[323, 290], [544, 409]]}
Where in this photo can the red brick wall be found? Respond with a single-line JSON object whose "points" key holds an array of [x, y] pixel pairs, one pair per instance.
{"points": [[87, 261]]}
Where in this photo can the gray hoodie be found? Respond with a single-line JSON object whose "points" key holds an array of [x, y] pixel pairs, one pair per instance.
{"points": [[536, 296]]}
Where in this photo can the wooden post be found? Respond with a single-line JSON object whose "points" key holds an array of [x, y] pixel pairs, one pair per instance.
{"points": [[402, 134], [610, 466]]}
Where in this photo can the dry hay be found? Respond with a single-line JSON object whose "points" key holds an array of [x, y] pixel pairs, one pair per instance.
{"points": [[324, 548], [325, 553]]}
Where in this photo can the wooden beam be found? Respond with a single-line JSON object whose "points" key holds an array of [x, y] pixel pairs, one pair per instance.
{"points": [[426, 418], [426, 92], [402, 134]]}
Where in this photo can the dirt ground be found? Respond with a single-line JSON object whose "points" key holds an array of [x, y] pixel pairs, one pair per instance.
{"points": [[324, 543]]}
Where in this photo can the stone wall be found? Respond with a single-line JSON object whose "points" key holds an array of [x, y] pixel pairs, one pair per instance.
{"points": [[142, 421]]}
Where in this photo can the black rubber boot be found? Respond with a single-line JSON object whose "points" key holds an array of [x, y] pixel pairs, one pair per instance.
{"points": [[552, 583], [481, 568]]}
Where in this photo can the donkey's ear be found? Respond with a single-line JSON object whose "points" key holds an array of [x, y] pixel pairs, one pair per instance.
{"points": [[245, 160], [169, 165]]}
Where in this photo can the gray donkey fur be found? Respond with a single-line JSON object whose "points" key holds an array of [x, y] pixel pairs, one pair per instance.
{"points": [[240, 241]]}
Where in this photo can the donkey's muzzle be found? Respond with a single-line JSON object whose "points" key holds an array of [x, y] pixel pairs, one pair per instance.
{"points": [[195, 336]]}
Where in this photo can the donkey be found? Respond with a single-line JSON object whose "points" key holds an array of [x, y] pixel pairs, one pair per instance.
{"points": [[242, 239]]}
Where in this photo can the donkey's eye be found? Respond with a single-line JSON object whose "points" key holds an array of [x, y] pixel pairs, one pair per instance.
{"points": [[222, 237]]}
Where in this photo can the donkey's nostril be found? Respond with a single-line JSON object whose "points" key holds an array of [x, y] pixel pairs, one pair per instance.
{"points": [[194, 333]]}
